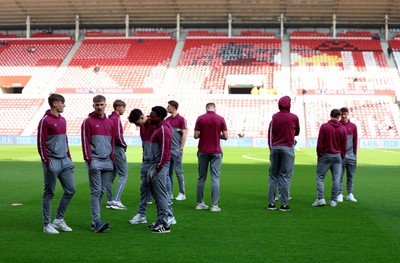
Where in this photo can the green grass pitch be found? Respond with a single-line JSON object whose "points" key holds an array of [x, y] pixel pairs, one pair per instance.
{"points": [[244, 231]]}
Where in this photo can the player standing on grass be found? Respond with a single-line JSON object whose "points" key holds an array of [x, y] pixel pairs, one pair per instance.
{"points": [[331, 150], [160, 154], [146, 130], [97, 135], [283, 127], [121, 164], [350, 161], [179, 132], [52, 143], [210, 128]]}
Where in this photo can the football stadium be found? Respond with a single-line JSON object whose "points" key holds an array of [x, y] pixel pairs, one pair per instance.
{"points": [[241, 55]]}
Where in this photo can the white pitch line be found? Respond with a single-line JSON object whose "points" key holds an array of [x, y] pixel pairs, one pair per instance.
{"points": [[247, 156], [386, 151]]}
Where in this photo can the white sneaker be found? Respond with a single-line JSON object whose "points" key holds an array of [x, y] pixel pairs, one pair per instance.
{"points": [[49, 229], [333, 203], [215, 208], [351, 198], [201, 206], [60, 224], [138, 219], [117, 205], [339, 198], [171, 220], [109, 204], [319, 202], [180, 197]]}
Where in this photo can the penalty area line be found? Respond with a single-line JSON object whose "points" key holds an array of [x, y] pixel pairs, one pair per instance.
{"points": [[248, 156]]}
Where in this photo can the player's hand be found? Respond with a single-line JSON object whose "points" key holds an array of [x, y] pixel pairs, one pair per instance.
{"points": [[158, 168], [51, 171]]}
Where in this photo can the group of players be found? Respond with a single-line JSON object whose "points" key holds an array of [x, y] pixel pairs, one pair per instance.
{"points": [[104, 148], [163, 141], [336, 151]]}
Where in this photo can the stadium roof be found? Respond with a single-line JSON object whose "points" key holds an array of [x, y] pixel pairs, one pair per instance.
{"points": [[13, 13]]}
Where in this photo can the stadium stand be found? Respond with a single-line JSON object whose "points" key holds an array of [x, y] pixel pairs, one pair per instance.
{"points": [[134, 68], [373, 116], [16, 113], [205, 63], [340, 65], [109, 65], [37, 59]]}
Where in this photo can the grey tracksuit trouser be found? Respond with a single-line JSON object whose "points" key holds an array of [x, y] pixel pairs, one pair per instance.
{"points": [[63, 169]]}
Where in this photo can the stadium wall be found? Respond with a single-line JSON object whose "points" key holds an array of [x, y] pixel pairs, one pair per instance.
{"points": [[232, 142]]}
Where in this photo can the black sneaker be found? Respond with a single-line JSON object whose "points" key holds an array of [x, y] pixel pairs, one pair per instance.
{"points": [[271, 207], [100, 226], [92, 227], [152, 226], [284, 208], [161, 228]]}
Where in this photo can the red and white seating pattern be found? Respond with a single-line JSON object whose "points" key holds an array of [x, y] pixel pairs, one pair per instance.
{"points": [[125, 66], [46, 53], [40, 64], [372, 116], [323, 64], [16, 113], [205, 63]]}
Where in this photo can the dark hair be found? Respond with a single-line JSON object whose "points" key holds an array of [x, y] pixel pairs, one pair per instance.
{"points": [[135, 115], [343, 110], [335, 113], [173, 104], [160, 111], [99, 98], [55, 97], [118, 103], [210, 105]]}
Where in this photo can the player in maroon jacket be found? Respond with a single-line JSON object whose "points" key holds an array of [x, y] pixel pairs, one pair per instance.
{"points": [[210, 128], [146, 130], [283, 127], [52, 143], [98, 140], [121, 164], [350, 162], [160, 154], [331, 150]]}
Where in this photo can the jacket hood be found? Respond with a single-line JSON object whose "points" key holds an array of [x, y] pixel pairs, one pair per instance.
{"points": [[335, 123], [49, 113], [284, 103], [114, 113], [94, 115]]}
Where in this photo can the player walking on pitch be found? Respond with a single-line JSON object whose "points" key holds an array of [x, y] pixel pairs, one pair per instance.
{"points": [[52, 143], [121, 164]]}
